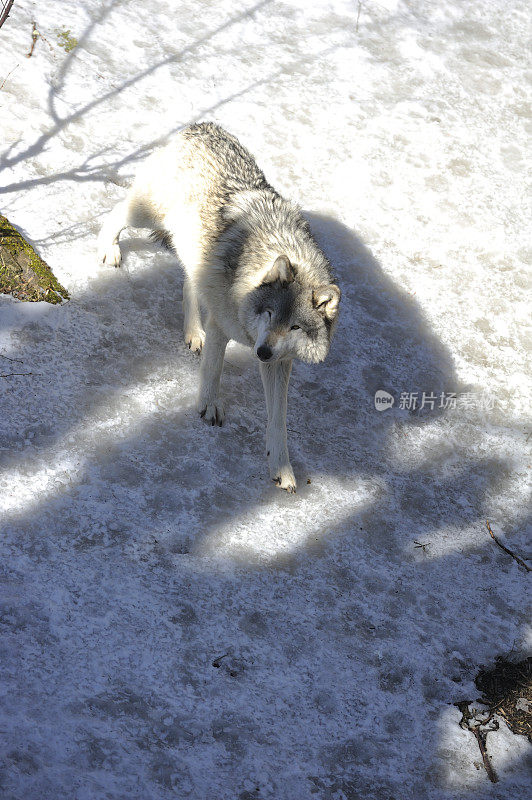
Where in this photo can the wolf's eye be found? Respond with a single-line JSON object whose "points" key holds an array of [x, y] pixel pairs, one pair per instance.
{"points": [[295, 328]]}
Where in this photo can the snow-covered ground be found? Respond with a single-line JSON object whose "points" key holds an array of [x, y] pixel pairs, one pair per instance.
{"points": [[173, 625]]}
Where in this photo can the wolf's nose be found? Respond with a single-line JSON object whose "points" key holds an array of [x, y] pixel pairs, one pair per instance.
{"points": [[264, 352]]}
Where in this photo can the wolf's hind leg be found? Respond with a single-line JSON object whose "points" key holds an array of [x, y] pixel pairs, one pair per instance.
{"points": [[134, 211], [209, 406], [193, 329], [114, 224], [275, 379]]}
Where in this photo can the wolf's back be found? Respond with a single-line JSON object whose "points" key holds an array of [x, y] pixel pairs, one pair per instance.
{"points": [[235, 165]]}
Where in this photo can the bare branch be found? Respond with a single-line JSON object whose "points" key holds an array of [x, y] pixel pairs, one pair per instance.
{"points": [[480, 724], [492, 775], [4, 13], [519, 560]]}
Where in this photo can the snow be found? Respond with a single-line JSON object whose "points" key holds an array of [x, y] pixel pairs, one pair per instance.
{"points": [[174, 625]]}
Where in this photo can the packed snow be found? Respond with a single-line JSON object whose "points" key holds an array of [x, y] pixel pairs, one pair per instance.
{"points": [[173, 625]]}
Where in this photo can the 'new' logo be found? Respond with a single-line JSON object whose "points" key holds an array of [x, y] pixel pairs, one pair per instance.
{"points": [[383, 400]]}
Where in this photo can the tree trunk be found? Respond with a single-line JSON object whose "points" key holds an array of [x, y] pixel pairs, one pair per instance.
{"points": [[23, 273]]}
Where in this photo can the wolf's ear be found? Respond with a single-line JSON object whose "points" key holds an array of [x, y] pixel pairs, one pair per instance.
{"points": [[281, 271], [326, 299]]}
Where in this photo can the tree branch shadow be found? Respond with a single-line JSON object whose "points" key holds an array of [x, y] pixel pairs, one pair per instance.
{"points": [[6, 160], [93, 168]]}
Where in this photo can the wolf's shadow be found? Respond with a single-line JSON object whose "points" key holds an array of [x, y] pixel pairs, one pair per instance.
{"points": [[383, 342], [188, 479]]}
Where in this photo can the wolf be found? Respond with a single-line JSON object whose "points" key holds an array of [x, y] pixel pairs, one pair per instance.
{"points": [[250, 261]]}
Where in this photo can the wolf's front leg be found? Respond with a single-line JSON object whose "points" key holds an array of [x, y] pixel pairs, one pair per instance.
{"points": [[275, 379], [209, 406], [194, 333]]}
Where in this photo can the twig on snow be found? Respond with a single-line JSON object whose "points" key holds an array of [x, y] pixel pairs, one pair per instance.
{"points": [[506, 550], [474, 721], [11, 374], [34, 36], [485, 758], [7, 76]]}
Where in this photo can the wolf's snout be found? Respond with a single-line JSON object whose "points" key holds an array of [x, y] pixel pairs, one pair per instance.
{"points": [[264, 352]]}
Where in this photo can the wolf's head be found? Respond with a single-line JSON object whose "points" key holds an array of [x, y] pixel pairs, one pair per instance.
{"points": [[289, 318]]}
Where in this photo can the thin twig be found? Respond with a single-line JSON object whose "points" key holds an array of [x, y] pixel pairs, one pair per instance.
{"points": [[11, 374], [43, 37], [485, 758], [470, 722], [506, 550], [7, 76], [18, 360]]}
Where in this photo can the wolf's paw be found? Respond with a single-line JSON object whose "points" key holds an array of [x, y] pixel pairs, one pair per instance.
{"points": [[284, 478], [195, 340], [212, 413], [111, 255]]}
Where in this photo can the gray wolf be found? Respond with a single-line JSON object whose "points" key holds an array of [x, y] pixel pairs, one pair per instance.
{"points": [[251, 263]]}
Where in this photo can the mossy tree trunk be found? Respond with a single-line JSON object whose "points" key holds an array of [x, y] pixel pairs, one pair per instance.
{"points": [[23, 273]]}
